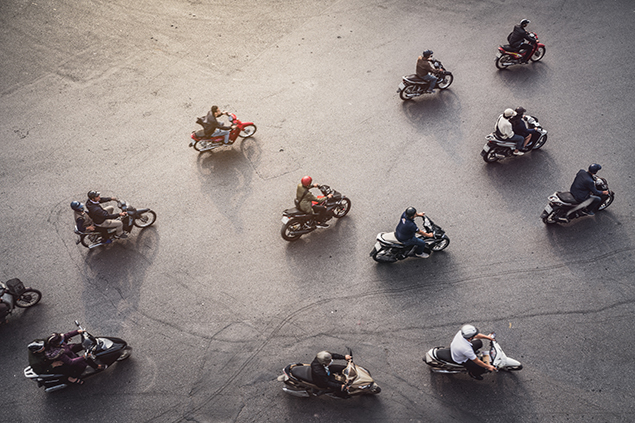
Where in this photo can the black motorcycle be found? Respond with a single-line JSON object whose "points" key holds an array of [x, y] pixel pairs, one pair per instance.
{"points": [[15, 294], [141, 218], [388, 249], [413, 86], [563, 207], [103, 350], [497, 149], [297, 223]]}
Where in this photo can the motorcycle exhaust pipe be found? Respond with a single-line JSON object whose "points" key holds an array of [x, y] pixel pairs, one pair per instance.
{"points": [[301, 394], [55, 388]]}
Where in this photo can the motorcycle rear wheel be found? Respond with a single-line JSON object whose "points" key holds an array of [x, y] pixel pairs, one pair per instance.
{"points": [[29, 298], [445, 82], [504, 61], [490, 156], [146, 219], [407, 93], [513, 369], [538, 54], [91, 239], [289, 230], [247, 131], [607, 202], [342, 209]]}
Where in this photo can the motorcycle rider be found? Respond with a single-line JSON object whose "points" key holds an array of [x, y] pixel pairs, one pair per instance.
{"points": [[407, 230], [37, 358], [464, 347], [426, 71], [517, 37], [4, 311], [58, 349], [583, 188], [105, 217], [304, 199], [82, 220], [323, 371], [504, 131], [520, 127], [214, 128]]}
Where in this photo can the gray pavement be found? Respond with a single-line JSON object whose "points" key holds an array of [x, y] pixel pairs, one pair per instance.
{"points": [[104, 95]]}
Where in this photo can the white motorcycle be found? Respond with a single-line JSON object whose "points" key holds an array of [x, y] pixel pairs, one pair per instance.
{"points": [[497, 149], [440, 360]]}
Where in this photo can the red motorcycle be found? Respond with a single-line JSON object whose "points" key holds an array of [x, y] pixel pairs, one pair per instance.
{"points": [[508, 56], [200, 142]]}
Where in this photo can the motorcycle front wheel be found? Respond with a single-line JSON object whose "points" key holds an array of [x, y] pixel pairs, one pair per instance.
{"points": [[126, 353], [290, 229], [445, 82], [375, 389], [540, 142], [538, 54], [247, 131], [146, 219], [442, 245], [342, 208], [29, 298], [407, 93], [504, 61], [607, 202]]}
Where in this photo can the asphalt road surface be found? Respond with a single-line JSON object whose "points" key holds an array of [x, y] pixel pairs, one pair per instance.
{"points": [[104, 94]]}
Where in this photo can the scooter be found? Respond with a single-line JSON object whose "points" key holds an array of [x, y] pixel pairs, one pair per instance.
{"points": [[202, 143], [15, 294], [507, 56], [102, 351], [497, 149], [388, 249], [563, 207], [296, 223], [413, 86], [440, 360], [141, 218], [299, 382]]}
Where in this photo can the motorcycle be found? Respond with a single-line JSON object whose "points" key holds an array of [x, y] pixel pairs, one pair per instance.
{"points": [[103, 350], [507, 56], [201, 143], [497, 148], [388, 249], [563, 207], [299, 382], [296, 223], [413, 86], [15, 294], [141, 218], [440, 360]]}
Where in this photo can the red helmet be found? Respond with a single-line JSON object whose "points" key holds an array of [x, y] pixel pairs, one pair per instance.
{"points": [[306, 181]]}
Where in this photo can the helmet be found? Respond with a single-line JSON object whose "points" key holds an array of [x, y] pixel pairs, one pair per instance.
{"points": [[525, 22], [509, 113], [55, 339], [306, 181], [468, 331], [410, 212], [36, 346], [77, 206], [520, 110], [324, 357], [427, 53], [594, 168], [93, 194]]}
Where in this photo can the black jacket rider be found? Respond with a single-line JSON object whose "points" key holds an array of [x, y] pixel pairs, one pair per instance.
{"points": [[210, 124], [327, 380], [97, 213], [518, 35]]}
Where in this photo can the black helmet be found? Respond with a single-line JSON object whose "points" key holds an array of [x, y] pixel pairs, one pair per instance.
{"points": [[525, 22], [77, 206], [427, 53], [520, 110], [594, 168], [93, 194], [410, 212]]}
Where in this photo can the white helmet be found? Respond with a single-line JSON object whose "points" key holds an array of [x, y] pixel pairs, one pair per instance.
{"points": [[509, 113], [468, 331], [324, 357]]}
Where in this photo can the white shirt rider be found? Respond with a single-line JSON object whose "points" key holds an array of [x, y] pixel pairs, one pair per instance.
{"points": [[461, 349]]}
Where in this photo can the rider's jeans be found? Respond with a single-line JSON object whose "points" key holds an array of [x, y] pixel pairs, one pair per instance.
{"points": [[219, 132], [422, 247], [432, 80], [519, 140], [593, 207]]}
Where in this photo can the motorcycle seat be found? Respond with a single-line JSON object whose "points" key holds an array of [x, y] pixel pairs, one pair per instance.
{"points": [[507, 47], [294, 212], [415, 79], [445, 355], [390, 237], [302, 372], [567, 197]]}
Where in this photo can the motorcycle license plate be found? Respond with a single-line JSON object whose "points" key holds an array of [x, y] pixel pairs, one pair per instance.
{"points": [[486, 148], [285, 219], [548, 208], [402, 86], [377, 246]]}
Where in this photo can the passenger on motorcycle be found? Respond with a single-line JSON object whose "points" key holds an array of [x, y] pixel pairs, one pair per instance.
{"points": [[520, 127], [58, 349], [583, 187], [464, 348], [105, 217], [517, 37], [37, 358], [304, 199], [407, 230], [504, 131], [214, 128], [82, 220], [426, 71], [323, 371]]}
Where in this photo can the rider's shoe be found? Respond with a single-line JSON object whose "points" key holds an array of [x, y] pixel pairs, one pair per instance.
{"points": [[422, 255], [321, 225], [518, 153]]}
